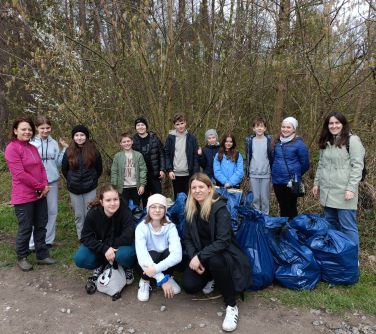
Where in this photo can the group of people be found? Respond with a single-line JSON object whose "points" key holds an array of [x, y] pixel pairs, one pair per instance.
{"points": [[104, 223]]}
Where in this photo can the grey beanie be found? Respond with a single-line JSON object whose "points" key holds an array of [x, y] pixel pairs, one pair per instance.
{"points": [[211, 132]]}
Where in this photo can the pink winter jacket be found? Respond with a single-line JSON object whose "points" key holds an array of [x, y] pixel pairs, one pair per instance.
{"points": [[27, 170]]}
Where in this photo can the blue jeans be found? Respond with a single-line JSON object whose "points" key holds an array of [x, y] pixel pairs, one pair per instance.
{"points": [[86, 258], [343, 220]]}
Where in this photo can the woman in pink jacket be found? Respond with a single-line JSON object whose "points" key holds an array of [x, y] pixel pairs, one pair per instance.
{"points": [[29, 190]]}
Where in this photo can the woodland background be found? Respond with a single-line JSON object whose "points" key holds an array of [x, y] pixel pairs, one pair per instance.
{"points": [[221, 62]]}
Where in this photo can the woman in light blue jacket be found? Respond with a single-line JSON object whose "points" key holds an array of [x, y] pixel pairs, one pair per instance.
{"points": [[51, 156], [228, 164]]}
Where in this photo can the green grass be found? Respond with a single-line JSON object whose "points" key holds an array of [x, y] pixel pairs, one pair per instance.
{"points": [[358, 297]]}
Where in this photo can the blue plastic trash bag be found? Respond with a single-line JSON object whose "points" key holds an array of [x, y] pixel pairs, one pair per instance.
{"points": [[248, 199], [177, 215], [309, 225], [303, 273], [233, 202], [337, 256], [252, 240]]}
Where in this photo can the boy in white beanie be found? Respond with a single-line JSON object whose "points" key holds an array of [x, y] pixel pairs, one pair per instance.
{"points": [[158, 249], [207, 154]]}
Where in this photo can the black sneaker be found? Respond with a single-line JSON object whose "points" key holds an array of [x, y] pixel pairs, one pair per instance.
{"points": [[129, 276]]}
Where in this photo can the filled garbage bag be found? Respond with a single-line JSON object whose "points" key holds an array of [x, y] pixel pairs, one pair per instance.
{"points": [[303, 272], [138, 213], [337, 256], [251, 238], [176, 213], [309, 224], [233, 201], [248, 199]]}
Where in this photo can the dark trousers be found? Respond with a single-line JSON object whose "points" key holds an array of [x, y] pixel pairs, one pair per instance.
{"points": [[286, 200], [158, 257], [153, 186], [32, 215], [215, 268], [180, 185], [131, 193]]}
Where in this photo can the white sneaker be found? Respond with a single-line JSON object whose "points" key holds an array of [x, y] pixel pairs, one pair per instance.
{"points": [[143, 293], [231, 319], [129, 277], [208, 288], [175, 286]]}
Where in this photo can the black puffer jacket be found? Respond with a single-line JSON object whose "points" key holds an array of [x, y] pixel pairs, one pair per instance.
{"points": [[83, 179], [101, 232], [222, 242], [155, 157]]}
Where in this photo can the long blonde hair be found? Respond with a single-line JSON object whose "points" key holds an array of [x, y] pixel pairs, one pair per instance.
{"points": [[191, 204]]}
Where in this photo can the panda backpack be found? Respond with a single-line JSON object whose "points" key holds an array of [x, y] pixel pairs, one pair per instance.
{"points": [[112, 280]]}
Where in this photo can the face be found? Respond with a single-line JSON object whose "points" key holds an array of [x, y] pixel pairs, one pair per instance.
{"points": [[79, 138], [24, 131], [180, 126], [287, 129], [126, 143], [335, 126], [110, 202], [44, 130], [259, 129], [212, 140], [141, 128], [199, 191], [156, 211], [228, 143]]}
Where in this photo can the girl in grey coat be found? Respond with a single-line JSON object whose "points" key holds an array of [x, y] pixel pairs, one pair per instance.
{"points": [[338, 174]]}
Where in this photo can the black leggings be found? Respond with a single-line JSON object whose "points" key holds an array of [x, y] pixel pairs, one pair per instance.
{"points": [[286, 200], [215, 268]]}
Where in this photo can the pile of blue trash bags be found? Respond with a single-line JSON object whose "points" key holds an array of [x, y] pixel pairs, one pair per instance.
{"points": [[297, 254]]}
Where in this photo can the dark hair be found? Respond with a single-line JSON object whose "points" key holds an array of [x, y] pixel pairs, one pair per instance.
{"points": [[17, 122], [326, 136], [88, 150], [39, 120], [259, 120], [125, 135], [232, 153], [178, 118], [103, 189]]}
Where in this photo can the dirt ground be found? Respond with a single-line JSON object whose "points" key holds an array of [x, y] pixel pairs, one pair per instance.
{"points": [[48, 301]]}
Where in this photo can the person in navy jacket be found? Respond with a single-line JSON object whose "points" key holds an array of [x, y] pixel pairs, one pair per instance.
{"points": [[290, 162]]}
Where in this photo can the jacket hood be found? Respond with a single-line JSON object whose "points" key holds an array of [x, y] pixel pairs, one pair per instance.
{"points": [[220, 203], [174, 133], [37, 137]]}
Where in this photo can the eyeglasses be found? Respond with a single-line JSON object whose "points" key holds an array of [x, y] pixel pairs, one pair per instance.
{"points": [[157, 207]]}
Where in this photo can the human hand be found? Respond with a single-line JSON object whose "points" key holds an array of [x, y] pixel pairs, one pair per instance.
{"points": [[150, 271], [227, 185], [200, 270], [167, 289], [349, 195], [171, 175], [195, 263], [110, 254], [141, 190], [44, 192], [315, 190], [161, 174], [199, 151], [63, 142]]}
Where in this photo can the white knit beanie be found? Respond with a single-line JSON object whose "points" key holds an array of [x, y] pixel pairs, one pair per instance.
{"points": [[293, 121], [156, 199]]}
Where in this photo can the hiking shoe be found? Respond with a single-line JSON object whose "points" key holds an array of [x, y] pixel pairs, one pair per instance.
{"points": [[175, 286], [129, 277], [143, 293], [24, 264], [208, 288], [231, 319], [46, 261]]}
